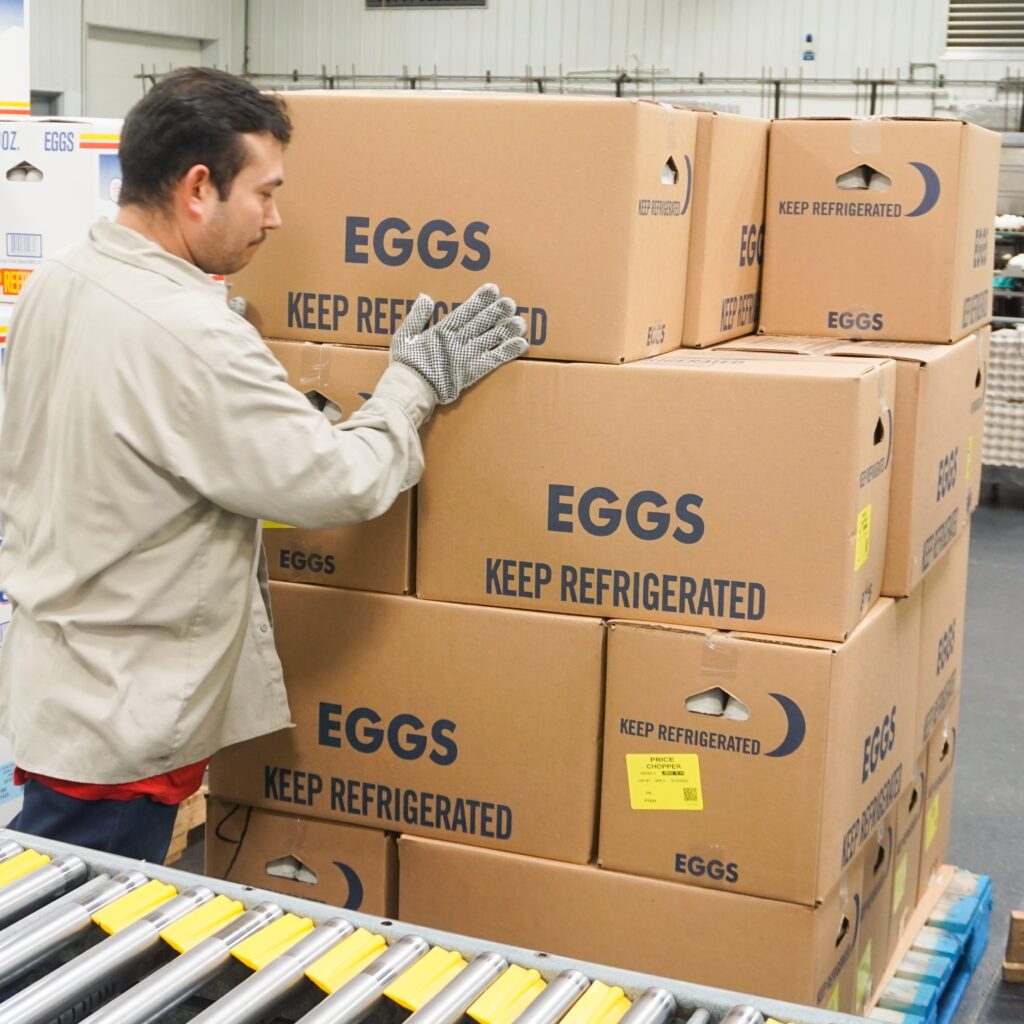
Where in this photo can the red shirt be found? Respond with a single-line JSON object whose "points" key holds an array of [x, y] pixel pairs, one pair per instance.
{"points": [[169, 788]]}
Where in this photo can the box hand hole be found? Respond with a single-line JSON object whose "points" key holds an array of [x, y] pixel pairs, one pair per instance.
{"points": [[864, 176], [291, 868], [24, 172], [670, 173], [718, 703]]}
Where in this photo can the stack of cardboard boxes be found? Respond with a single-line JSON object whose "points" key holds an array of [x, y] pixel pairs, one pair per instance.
{"points": [[659, 666]]}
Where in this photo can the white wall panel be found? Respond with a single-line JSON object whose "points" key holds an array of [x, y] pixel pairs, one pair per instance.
{"points": [[735, 38], [719, 37]]}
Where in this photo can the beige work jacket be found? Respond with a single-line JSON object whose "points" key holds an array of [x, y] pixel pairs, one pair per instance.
{"points": [[147, 429]]}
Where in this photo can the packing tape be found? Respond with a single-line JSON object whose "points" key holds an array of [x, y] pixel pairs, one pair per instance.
{"points": [[865, 135], [719, 658], [315, 372]]}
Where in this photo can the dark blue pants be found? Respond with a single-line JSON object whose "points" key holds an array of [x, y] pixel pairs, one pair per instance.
{"points": [[139, 828]]}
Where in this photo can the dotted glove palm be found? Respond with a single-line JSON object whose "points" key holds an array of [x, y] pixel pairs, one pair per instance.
{"points": [[477, 337]]}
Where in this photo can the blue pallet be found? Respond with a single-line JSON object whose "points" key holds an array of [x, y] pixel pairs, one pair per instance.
{"points": [[930, 982]]}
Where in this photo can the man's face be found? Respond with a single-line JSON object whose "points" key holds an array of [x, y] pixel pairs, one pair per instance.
{"points": [[232, 229]]}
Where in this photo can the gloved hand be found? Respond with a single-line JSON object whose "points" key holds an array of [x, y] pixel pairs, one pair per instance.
{"points": [[467, 344]]}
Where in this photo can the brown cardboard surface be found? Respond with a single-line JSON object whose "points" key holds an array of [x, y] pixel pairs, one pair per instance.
{"points": [[763, 947], [686, 489], [478, 724], [937, 430], [907, 858], [347, 866], [943, 611], [938, 805], [390, 194], [723, 273], [875, 934], [910, 263], [781, 801], [376, 555]]}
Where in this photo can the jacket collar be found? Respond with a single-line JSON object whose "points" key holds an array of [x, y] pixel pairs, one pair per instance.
{"points": [[128, 246]]}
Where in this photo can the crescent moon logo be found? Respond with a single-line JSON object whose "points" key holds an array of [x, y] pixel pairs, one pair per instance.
{"points": [[796, 727], [932, 188], [888, 454], [689, 185], [856, 925], [355, 887]]}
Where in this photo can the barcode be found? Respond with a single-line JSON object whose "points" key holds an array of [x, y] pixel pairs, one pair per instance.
{"points": [[689, 794], [25, 245]]}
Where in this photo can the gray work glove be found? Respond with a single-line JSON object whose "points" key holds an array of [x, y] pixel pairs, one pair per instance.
{"points": [[472, 340]]}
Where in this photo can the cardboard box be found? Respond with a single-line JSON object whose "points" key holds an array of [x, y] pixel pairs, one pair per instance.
{"points": [[937, 431], [391, 194], [876, 927], [690, 489], [723, 272], [750, 763], [879, 228], [376, 555], [15, 91], [764, 947], [943, 611], [907, 858], [58, 177], [343, 865], [476, 724], [938, 806]]}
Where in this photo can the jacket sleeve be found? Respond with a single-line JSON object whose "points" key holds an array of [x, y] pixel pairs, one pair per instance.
{"points": [[251, 443]]}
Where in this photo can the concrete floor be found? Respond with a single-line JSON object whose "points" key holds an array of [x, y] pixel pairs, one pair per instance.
{"points": [[988, 808]]}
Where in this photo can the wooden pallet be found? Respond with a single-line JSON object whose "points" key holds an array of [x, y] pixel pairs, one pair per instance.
{"points": [[1013, 965], [191, 815], [940, 950]]}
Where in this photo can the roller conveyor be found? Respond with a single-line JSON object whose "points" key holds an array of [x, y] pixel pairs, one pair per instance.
{"points": [[86, 937]]}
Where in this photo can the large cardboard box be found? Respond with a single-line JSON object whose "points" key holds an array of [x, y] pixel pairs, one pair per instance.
{"points": [[376, 555], [750, 763], [723, 272], [907, 856], [736, 491], [765, 947], [476, 724], [943, 611], [938, 806], [936, 462], [56, 179], [879, 228], [347, 866], [15, 90], [579, 208]]}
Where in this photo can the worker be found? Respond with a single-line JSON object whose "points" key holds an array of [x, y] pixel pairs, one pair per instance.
{"points": [[147, 431]]}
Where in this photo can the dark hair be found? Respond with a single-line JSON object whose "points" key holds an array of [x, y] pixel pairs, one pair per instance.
{"points": [[194, 116]]}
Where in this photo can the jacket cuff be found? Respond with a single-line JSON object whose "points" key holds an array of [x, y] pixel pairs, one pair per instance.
{"points": [[405, 386]]}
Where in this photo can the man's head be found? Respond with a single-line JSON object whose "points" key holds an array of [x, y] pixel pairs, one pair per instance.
{"points": [[203, 152]]}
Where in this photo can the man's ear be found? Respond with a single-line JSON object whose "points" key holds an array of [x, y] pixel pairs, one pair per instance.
{"points": [[195, 190]]}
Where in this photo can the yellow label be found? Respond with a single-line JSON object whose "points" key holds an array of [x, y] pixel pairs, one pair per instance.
{"points": [[931, 822], [863, 546], [664, 782], [863, 978], [899, 883], [970, 455], [833, 1000], [267, 525]]}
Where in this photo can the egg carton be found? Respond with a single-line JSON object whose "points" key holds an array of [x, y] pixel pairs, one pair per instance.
{"points": [[1004, 434]]}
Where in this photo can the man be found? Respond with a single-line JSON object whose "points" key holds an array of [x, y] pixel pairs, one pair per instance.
{"points": [[147, 430]]}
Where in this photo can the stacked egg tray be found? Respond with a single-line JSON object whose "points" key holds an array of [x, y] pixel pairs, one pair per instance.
{"points": [[91, 937], [928, 980]]}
